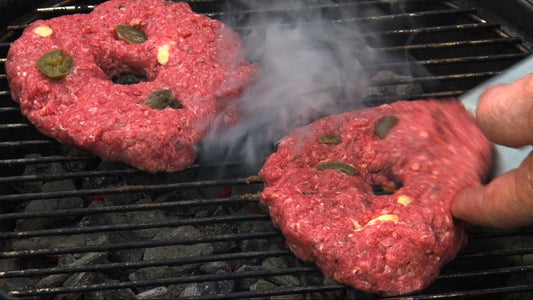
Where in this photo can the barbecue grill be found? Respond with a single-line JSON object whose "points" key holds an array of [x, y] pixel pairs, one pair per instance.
{"points": [[74, 227]]}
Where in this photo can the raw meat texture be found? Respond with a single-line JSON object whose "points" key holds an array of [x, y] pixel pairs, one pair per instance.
{"points": [[393, 241], [198, 59]]}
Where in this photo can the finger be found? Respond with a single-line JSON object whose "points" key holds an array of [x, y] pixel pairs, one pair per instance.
{"points": [[505, 113], [506, 202]]}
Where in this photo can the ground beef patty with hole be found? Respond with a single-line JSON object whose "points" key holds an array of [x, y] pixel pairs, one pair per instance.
{"points": [[367, 194], [62, 72]]}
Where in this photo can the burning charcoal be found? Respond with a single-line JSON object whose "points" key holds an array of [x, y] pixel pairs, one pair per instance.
{"points": [[137, 217], [123, 198], [100, 182], [124, 255], [105, 181], [215, 266], [290, 297], [57, 279], [48, 242], [255, 226], [199, 289], [77, 165], [149, 216], [285, 280], [262, 285], [214, 192], [245, 282], [275, 263], [247, 189], [255, 245], [224, 286], [180, 195], [33, 169], [103, 219], [52, 280], [66, 259], [353, 294], [10, 264], [127, 255], [50, 204], [280, 263], [47, 205], [208, 288], [329, 281], [150, 273], [157, 293], [75, 280], [144, 178], [217, 229], [95, 295], [17, 283], [174, 290], [176, 251], [123, 294]]}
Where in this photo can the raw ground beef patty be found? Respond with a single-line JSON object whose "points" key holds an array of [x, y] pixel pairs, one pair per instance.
{"points": [[193, 59], [367, 194]]}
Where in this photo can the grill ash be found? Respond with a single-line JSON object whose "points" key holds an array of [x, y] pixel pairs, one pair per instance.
{"points": [[311, 64]]}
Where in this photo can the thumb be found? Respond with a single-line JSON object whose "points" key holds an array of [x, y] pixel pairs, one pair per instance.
{"points": [[505, 113], [506, 202]]}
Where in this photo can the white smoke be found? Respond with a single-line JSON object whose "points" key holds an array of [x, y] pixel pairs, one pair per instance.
{"points": [[310, 66]]}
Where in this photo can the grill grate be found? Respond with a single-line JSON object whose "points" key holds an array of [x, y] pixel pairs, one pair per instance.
{"points": [[98, 241]]}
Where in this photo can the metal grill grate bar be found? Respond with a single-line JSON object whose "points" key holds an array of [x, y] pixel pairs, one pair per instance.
{"points": [[144, 264], [434, 78], [452, 60], [434, 29], [71, 9], [130, 227], [496, 271], [376, 100], [277, 292], [197, 278], [452, 44], [15, 126], [223, 257], [124, 189], [138, 244], [384, 18], [26, 143], [412, 15], [127, 208], [46, 159], [9, 109], [211, 239], [493, 234], [472, 293], [492, 253], [67, 175]]}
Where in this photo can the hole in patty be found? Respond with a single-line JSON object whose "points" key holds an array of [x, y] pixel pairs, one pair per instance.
{"points": [[386, 189], [385, 183], [123, 70], [128, 79]]}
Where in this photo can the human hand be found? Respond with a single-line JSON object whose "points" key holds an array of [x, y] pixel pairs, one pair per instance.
{"points": [[505, 115]]}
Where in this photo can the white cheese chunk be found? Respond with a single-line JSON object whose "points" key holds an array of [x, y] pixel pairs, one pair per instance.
{"points": [[43, 31]]}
